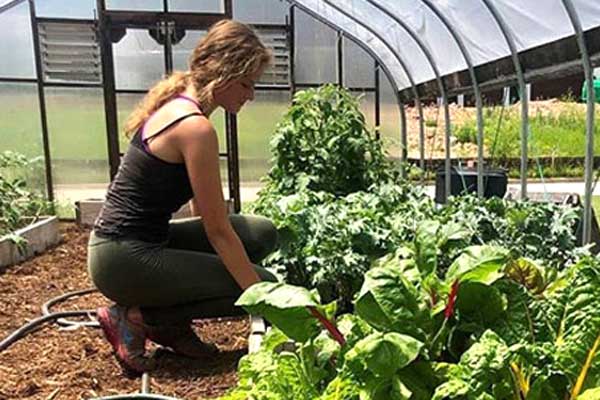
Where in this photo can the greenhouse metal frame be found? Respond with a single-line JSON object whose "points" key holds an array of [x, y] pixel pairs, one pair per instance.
{"points": [[400, 46], [111, 26], [334, 13]]}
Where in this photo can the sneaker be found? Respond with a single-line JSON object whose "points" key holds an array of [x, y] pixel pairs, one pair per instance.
{"points": [[182, 340], [127, 339]]}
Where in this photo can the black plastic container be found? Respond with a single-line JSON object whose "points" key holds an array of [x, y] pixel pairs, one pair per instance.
{"points": [[464, 180]]}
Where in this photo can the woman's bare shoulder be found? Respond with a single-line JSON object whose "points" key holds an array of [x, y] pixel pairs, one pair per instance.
{"points": [[194, 129]]}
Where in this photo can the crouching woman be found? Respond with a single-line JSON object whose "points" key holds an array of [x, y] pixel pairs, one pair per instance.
{"points": [[160, 274]]}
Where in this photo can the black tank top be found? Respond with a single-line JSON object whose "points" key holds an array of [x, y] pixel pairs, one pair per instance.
{"points": [[144, 194]]}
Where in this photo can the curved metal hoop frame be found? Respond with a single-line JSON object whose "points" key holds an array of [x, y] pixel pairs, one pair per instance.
{"points": [[589, 134], [509, 37]]}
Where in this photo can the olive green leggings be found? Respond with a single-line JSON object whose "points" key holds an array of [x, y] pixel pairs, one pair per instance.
{"points": [[182, 279]]}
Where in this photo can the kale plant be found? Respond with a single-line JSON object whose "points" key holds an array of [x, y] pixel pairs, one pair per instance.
{"points": [[540, 230]]}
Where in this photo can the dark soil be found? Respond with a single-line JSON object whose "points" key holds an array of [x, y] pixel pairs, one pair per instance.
{"points": [[54, 363]]}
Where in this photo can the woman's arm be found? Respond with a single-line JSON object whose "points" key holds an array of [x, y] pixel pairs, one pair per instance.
{"points": [[197, 141]]}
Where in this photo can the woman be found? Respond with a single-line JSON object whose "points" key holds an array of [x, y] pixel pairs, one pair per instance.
{"points": [[161, 275]]}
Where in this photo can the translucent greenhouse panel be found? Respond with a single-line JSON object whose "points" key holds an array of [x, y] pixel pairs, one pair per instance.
{"points": [[315, 54], [359, 66], [16, 47], [20, 127], [135, 5], [378, 47], [256, 125], [428, 27], [589, 12], [480, 32], [533, 25], [205, 6], [183, 49], [390, 120], [261, 11], [78, 149], [218, 120], [139, 61], [224, 177], [126, 103], [80, 9], [394, 35], [367, 107]]}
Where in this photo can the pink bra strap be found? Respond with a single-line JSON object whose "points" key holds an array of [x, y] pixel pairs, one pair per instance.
{"points": [[184, 97]]}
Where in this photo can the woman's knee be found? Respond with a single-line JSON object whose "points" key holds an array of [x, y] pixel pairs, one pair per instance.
{"points": [[265, 275], [258, 234]]}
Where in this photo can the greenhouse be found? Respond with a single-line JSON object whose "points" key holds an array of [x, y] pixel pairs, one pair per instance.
{"points": [[300, 199]]}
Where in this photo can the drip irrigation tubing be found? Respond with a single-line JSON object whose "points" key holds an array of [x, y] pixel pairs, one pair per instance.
{"points": [[32, 325], [58, 316], [65, 322]]}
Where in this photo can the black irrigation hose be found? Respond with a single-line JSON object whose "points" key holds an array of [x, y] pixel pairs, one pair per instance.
{"points": [[65, 322], [51, 316], [31, 325]]}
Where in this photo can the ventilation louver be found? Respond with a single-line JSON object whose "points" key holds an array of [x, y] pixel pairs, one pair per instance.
{"points": [[275, 38], [70, 52]]}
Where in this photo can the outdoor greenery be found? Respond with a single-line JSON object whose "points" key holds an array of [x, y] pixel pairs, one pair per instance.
{"points": [[479, 299], [558, 130], [19, 205]]}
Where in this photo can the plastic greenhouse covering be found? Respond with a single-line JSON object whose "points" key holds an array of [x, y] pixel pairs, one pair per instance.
{"points": [[532, 23]]}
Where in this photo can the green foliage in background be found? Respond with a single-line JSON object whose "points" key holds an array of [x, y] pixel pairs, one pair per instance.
{"points": [[19, 204], [322, 144], [558, 131], [329, 237]]}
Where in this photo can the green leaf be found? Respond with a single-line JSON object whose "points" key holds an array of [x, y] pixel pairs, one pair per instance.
{"points": [[527, 273], [552, 387], [285, 306], [385, 353], [426, 247], [420, 379], [482, 372], [453, 389], [342, 387], [590, 394], [388, 302], [480, 304], [574, 313], [482, 264]]}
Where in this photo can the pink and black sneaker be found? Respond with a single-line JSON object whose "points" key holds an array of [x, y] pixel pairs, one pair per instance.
{"points": [[128, 339]]}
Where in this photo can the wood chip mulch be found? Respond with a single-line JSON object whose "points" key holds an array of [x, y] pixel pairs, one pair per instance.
{"points": [[55, 363]]}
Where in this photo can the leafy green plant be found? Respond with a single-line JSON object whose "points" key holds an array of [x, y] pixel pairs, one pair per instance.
{"points": [[322, 144], [431, 123], [331, 233], [490, 333], [466, 134], [19, 206], [544, 231]]}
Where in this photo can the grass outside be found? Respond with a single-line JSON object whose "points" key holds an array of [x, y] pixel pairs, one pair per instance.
{"points": [[596, 207], [557, 129]]}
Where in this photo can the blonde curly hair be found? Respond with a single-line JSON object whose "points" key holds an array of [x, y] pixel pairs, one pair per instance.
{"points": [[230, 50]]}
